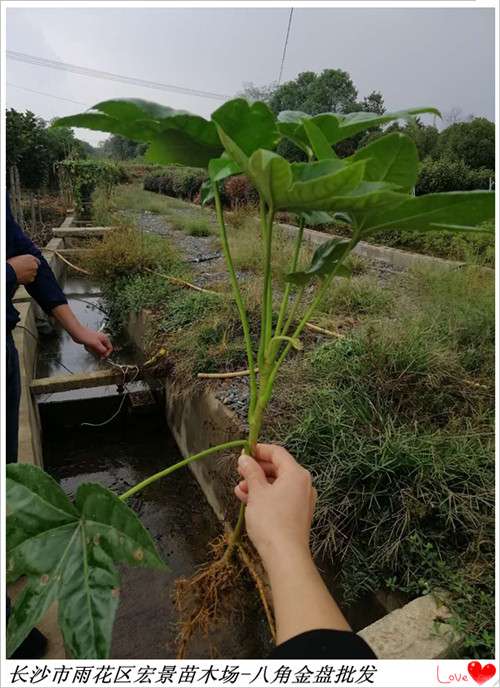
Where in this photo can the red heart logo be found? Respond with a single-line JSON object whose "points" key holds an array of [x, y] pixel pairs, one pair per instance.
{"points": [[481, 674]]}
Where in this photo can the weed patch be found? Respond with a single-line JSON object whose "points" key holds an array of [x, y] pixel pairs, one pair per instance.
{"points": [[197, 224], [125, 251], [396, 422]]}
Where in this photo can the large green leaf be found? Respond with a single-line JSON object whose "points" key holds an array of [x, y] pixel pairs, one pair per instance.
{"points": [[176, 136], [290, 125], [392, 158], [325, 260], [221, 168], [314, 218], [456, 211], [174, 146], [355, 122], [68, 553], [132, 109], [318, 141], [299, 186], [336, 126], [137, 130], [366, 198], [248, 126]]}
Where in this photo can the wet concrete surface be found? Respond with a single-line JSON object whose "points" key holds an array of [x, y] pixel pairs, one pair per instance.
{"points": [[176, 514], [60, 355]]}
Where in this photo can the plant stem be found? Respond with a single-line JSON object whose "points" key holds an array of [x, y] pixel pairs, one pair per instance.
{"points": [[236, 534], [238, 299], [253, 436], [266, 222], [316, 301], [180, 464], [293, 267], [269, 287], [296, 303]]}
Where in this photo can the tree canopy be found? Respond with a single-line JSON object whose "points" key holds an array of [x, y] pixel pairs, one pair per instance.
{"points": [[472, 142], [34, 147], [118, 147]]}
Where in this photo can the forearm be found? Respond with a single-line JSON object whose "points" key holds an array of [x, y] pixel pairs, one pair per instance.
{"points": [[68, 321], [300, 598]]}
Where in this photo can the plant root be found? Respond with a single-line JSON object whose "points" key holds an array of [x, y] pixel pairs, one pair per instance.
{"points": [[261, 588], [203, 600]]}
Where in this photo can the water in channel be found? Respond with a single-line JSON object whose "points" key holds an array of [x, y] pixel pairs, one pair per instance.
{"points": [[118, 455]]}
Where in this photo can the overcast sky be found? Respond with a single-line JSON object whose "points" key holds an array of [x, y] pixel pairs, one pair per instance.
{"points": [[439, 57]]}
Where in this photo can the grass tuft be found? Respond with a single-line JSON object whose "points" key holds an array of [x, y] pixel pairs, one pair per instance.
{"points": [[396, 422]]}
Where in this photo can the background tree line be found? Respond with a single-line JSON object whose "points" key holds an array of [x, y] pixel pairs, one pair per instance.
{"points": [[459, 157]]}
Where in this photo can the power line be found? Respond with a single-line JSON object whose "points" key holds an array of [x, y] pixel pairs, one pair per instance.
{"points": [[49, 95], [111, 76], [285, 45]]}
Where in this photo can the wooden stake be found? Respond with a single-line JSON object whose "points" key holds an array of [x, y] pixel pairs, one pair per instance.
{"points": [[183, 283], [322, 330], [222, 376]]}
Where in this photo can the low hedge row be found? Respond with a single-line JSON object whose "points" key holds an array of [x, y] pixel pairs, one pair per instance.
{"points": [[185, 183]]}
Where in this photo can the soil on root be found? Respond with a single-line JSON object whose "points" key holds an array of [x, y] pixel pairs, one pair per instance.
{"points": [[210, 597], [217, 594]]}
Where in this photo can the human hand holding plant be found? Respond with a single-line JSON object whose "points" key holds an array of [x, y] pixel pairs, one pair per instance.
{"points": [[280, 501]]}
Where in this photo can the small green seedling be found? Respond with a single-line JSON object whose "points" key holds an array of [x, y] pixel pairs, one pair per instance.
{"points": [[68, 551]]}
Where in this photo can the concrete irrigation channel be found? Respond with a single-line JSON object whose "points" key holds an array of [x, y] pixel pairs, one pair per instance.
{"points": [[67, 399]]}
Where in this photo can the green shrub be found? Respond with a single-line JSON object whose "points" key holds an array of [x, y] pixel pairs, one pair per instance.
{"points": [[473, 142], [127, 295], [177, 181], [185, 182], [445, 174], [473, 248]]}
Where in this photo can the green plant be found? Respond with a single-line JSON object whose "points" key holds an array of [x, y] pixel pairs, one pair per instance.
{"points": [[82, 177], [473, 142], [451, 175], [370, 190], [396, 423], [35, 148], [177, 181], [124, 251], [193, 224]]}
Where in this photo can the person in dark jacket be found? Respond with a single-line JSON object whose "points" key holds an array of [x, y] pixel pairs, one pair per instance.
{"points": [[26, 265], [280, 501]]}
